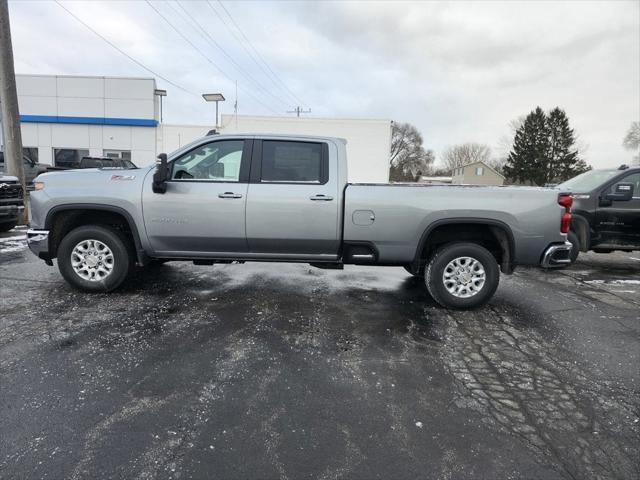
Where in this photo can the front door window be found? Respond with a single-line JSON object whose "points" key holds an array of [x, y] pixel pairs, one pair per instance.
{"points": [[217, 161]]}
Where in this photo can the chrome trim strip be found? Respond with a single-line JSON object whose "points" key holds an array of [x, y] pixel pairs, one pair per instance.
{"points": [[38, 241], [548, 260]]}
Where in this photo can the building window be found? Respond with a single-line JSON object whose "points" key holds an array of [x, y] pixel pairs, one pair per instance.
{"points": [[291, 162], [68, 157], [121, 154], [479, 171], [31, 153]]}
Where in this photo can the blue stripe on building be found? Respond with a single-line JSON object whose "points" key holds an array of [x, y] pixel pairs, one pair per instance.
{"points": [[131, 122]]}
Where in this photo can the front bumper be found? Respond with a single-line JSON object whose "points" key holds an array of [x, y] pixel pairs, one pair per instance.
{"points": [[558, 255], [38, 242], [11, 211]]}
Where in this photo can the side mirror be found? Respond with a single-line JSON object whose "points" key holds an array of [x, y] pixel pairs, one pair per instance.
{"points": [[622, 193], [161, 174]]}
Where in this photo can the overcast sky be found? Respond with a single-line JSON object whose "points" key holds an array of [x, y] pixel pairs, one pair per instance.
{"points": [[459, 71]]}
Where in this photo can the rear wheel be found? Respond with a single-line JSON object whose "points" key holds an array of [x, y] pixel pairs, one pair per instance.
{"points": [[462, 275], [575, 246], [95, 258], [6, 226]]}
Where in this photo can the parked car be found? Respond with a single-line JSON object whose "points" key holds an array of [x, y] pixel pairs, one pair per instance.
{"points": [[227, 198], [99, 162], [31, 169], [606, 210], [11, 202]]}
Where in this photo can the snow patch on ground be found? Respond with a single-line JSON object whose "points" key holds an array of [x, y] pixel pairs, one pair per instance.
{"points": [[13, 244], [613, 282]]}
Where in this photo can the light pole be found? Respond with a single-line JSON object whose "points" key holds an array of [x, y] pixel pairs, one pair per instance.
{"points": [[160, 93], [214, 97]]}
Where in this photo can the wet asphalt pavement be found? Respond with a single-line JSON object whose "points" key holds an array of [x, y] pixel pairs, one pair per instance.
{"points": [[287, 371]]}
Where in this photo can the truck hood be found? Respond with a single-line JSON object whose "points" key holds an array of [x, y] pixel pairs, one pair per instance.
{"points": [[7, 178], [91, 175]]}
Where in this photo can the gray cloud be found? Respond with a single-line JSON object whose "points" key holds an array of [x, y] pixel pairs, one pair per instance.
{"points": [[459, 70]]}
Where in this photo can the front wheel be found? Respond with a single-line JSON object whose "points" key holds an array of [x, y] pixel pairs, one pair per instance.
{"points": [[462, 275], [95, 258]]}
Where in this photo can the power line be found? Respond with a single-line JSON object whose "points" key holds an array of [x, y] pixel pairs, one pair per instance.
{"points": [[257, 52], [113, 45], [231, 59], [248, 52], [195, 47]]}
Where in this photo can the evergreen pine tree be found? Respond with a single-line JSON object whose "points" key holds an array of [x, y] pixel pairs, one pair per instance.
{"points": [[528, 160], [544, 150], [563, 155]]}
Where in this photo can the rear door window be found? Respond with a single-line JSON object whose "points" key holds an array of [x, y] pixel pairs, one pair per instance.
{"points": [[292, 162]]}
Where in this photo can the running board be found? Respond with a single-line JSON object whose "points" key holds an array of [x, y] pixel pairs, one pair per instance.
{"points": [[328, 266]]}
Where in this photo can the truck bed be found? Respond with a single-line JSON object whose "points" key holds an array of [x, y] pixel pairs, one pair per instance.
{"points": [[403, 212]]}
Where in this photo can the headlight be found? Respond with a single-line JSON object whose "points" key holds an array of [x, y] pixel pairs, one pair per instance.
{"points": [[38, 185]]}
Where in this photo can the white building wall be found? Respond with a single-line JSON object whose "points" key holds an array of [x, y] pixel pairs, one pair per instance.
{"points": [[171, 137], [109, 113], [93, 113]]}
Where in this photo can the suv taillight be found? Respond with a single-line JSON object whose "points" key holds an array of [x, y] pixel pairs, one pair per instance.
{"points": [[566, 201]]}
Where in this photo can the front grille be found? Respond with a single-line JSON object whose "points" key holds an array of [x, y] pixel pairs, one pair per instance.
{"points": [[8, 190]]}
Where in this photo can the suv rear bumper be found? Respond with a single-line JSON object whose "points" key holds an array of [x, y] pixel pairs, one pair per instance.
{"points": [[557, 256], [38, 241]]}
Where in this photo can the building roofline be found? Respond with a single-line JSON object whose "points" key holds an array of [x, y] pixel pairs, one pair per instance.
{"points": [[308, 118], [110, 77], [486, 165]]}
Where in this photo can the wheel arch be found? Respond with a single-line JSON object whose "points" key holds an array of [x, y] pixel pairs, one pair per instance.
{"points": [[500, 232], [580, 226], [75, 214]]}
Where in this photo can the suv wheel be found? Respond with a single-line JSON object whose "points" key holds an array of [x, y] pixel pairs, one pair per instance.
{"points": [[462, 275], [575, 246], [95, 258]]}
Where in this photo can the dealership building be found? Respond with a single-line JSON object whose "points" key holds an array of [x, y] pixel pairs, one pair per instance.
{"points": [[64, 118]]}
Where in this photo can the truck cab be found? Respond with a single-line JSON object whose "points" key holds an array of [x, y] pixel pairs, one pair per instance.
{"points": [[606, 210]]}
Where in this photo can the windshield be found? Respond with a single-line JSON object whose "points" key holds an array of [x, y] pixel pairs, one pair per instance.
{"points": [[587, 181]]}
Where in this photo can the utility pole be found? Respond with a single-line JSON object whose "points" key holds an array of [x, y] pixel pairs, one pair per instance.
{"points": [[298, 111], [9, 103]]}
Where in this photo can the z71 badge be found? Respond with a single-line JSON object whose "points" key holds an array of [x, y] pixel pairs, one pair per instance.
{"points": [[122, 178]]}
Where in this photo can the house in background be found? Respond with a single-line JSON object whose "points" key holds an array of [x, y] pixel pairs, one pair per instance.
{"points": [[477, 173]]}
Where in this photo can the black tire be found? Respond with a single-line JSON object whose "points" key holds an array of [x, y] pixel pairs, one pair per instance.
{"points": [[116, 241], [6, 226], [575, 246], [439, 262]]}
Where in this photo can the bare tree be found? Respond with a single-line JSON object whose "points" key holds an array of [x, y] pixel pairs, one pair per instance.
{"points": [[464, 154], [408, 158], [505, 143], [632, 138]]}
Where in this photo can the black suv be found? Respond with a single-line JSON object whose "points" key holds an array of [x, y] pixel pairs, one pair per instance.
{"points": [[606, 210]]}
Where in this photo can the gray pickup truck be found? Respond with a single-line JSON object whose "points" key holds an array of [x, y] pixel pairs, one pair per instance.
{"points": [[227, 198]]}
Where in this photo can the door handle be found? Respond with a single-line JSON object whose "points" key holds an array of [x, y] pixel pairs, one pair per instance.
{"points": [[321, 198], [229, 195]]}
